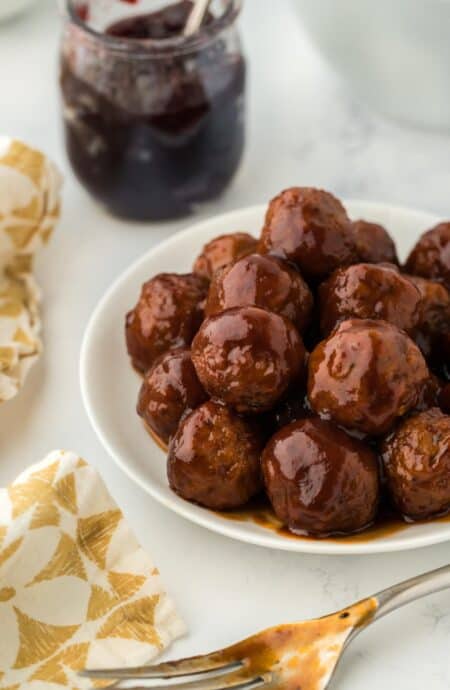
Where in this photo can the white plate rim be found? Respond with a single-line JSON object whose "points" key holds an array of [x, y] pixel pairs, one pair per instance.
{"points": [[204, 518]]}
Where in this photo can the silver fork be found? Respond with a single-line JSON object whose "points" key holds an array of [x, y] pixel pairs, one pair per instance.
{"points": [[295, 655]]}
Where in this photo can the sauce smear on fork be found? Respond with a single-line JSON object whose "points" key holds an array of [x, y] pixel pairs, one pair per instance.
{"points": [[296, 656], [299, 656]]}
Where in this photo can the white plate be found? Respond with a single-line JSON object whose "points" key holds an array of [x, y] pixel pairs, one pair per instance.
{"points": [[110, 386]]}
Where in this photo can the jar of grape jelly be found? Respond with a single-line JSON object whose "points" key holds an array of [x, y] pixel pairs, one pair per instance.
{"points": [[154, 121]]}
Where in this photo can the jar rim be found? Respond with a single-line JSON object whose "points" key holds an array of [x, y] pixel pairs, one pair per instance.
{"points": [[165, 47]]}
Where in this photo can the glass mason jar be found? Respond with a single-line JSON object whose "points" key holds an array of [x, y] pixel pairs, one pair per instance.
{"points": [[154, 121]]}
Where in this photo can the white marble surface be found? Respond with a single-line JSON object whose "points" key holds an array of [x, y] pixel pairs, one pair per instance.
{"points": [[304, 128]]}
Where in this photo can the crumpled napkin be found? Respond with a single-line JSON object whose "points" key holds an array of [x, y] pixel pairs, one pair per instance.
{"points": [[29, 209], [76, 589]]}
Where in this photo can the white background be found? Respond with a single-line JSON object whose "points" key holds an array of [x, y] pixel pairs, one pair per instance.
{"points": [[304, 128]]}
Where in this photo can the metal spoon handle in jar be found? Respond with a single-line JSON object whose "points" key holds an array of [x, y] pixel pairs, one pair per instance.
{"points": [[196, 17]]}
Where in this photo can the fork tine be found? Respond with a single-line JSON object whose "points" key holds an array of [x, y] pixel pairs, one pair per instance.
{"points": [[195, 665], [227, 682], [234, 679]]}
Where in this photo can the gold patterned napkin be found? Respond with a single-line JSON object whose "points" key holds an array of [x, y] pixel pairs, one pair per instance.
{"points": [[76, 589], [29, 209]]}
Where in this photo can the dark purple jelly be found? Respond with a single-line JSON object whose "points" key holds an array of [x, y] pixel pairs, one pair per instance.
{"points": [[153, 129]]}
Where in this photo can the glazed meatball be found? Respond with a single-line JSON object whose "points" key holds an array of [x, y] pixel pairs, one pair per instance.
{"points": [[365, 376], [319, 480], [435, 313], [262, 281], [311, 228], [168, 315], [170, 387], [430, 258], [370, 291], [214, 458], [247, 357], [374, 245], [221, 251], [417, 464]]}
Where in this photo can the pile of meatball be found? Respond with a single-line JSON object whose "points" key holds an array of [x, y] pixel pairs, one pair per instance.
{"points": [[309, 364]]}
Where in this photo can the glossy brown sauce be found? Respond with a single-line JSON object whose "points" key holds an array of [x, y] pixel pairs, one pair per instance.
{"points": [[260, 513], [159, 442]]}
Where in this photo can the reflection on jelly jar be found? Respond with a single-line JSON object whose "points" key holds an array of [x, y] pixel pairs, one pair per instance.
{"points": [[154, 121]]}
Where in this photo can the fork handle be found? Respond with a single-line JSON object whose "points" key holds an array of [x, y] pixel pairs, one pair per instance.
{"points": [[406, 592]]}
